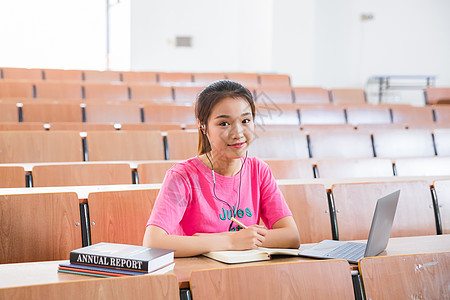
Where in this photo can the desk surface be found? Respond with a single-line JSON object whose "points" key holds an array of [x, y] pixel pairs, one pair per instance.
{"points": [[23, 274]]}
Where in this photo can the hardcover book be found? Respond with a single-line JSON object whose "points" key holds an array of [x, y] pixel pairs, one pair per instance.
{"points": [[233, 257], [107, 272], [122, 256]]}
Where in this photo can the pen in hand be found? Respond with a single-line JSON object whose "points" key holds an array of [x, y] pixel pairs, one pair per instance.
{"points": [[238, 222]]}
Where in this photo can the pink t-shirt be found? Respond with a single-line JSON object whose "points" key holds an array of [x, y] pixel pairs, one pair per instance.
{"points": [[186, 203]]}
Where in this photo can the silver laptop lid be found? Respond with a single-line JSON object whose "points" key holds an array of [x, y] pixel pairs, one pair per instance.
{"points": [[382, 220]]}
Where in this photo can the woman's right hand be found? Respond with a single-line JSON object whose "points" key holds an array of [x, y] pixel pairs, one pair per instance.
{"points": [[249, 238]]}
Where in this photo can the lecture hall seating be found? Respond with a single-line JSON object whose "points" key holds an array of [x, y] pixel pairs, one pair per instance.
{"points": [[321, 115], [411, 114], [279, 144], [291, 168], [16, 89], [40, 146], [340, 144], [139, 77], [63, 75], [403, 143], [182, 144], [436, 95], [40, 227], [311, 95], [276, 114], [20, 126], [272, 95], [169, 113], [94, 76], [153, 172], [442, 113], [80, 126], [423, 166], [9, 112], [59, 90], [207, 78], [12, 177], [124, 145], [22, 74], [368, 114], [106, 91], [354, 167], [355, 204], [186, 93], [274, 80], [329, 279], [413, 276], [309, 206], [81, 174], [120, 216], [153, 287], [348, 96], [113, 112], [442, 188], [174, 78], [48, 112], [150, 93], [249, 80]]}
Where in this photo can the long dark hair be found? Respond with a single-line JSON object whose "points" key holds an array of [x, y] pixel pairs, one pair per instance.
{"points": [[209, 97]]}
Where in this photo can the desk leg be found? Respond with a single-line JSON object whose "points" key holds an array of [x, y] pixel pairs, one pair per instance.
{"points": [[185, 294], [357, 287]]}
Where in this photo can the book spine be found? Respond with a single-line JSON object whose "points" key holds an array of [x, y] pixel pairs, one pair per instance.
{"points": [[109, 262]]}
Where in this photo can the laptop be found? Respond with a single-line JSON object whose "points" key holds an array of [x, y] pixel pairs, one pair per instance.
{"points": [[380, 230]]}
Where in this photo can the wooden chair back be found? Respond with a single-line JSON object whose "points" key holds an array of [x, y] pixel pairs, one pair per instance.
{"points": [[355, 204], [39, 227], [207, 78], [16, 89], [330, 279], [81, 175], [105, 91], [63, 75], [423, 166], [186, 93], [139, 77], [442, 113], [182, 144], [22, 74], [94, 76], [274, 80], [9, 112], [153, 172], [436, 95], [12, 177], [311, 95], [279, 144], [40, 146], [113, 113], [403, 143], [291, 168], [274, 94], [348, 96], [246, 79], [124, 145], [309, 206], [413, 276], [354, 167], [321, 114], [153, 287], [368, 114], [169, 113], [345, 144], [149, 93], [411, 114], [58, 90], [120, 216], [170, 78], [51, 112]]}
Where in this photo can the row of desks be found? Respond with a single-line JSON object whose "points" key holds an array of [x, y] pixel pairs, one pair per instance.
{"points": [[34, 273]]}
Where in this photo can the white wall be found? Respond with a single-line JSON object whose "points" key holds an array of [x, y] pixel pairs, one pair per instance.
{"points": [[226, 35], [53, 34], [406, 37], [317, 42]]}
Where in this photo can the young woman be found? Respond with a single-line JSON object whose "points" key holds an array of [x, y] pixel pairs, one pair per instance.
{"points": [[199, 197]]}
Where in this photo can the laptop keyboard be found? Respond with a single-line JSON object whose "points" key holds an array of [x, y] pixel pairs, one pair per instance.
{"points": [[349, 251]]}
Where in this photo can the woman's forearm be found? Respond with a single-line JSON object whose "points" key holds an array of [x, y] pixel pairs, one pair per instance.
{"points": [[283, 235], [185, 245]]}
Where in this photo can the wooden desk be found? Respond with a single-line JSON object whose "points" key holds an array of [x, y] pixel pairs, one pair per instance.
{"points": [[82, 191], [23, 274]]}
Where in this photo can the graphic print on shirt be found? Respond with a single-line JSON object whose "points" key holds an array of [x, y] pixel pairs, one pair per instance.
{"points": [[227, 214]]}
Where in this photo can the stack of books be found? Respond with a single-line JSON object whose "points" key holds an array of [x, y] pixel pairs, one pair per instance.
{"points": [[112, 260]]}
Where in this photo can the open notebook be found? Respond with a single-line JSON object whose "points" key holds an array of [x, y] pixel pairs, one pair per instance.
{"points": [[234, 257]]}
